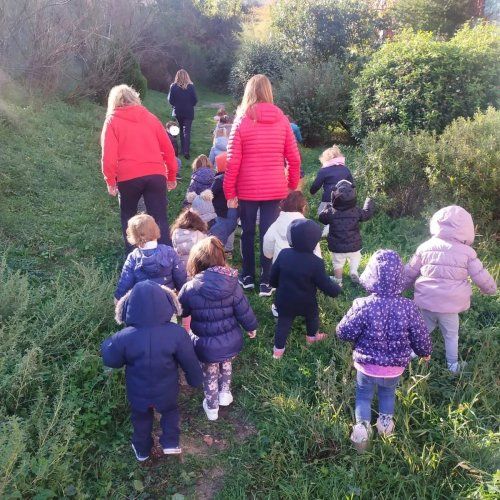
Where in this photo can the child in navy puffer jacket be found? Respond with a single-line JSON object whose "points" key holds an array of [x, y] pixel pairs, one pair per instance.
{"points": [[151, 348], [202, 176], [297, 274], [149, 260], [217, 306], [384, 328]]}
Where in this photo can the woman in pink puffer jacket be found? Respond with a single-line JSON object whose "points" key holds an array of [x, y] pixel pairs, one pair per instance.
{"points": [[441, 267]]}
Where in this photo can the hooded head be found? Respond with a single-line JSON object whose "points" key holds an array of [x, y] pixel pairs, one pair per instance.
{"points": [[303, 235], [453, 222], [147, 304], [221, 162], [344, 195], [384, 273]]}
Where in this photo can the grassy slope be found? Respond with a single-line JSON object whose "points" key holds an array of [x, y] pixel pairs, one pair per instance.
{"points": [[64, 423]]}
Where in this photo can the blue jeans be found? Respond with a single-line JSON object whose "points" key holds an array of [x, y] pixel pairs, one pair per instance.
{"points": [[365, 387]]}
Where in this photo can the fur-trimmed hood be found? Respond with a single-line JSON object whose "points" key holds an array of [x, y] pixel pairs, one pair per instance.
{"points": [[147, 304]]}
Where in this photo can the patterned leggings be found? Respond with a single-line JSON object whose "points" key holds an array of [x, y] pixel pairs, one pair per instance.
{"points": [[216, 378]]}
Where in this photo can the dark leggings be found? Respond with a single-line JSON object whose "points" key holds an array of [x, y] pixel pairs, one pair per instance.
{"points": [[269, 211], [142, 423], [154, 190], [285, 325], [185, 135]]}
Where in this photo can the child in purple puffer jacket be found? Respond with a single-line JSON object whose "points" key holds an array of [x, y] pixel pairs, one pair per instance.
{"points": [[384, 328], [441, 267]]}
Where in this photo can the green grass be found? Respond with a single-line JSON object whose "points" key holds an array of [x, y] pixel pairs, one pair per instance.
{"points": [[64, 428]]}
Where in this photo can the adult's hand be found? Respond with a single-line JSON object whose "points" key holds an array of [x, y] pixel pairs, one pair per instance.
{"points": [[171, 185], [113, 190]]}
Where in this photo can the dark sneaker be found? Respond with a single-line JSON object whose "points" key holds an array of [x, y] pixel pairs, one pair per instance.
{"points": [[265, 290], [186, 156], [246, 282]]}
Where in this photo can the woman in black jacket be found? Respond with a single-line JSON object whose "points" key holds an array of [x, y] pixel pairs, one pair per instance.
{"points": [[182, 97]]}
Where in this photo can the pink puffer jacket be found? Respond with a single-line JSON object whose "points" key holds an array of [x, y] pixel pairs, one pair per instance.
{"points": [[443, 264]]}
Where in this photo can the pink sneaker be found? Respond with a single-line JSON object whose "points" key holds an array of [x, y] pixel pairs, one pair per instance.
{"points": [[278, 353], [317, 338]]}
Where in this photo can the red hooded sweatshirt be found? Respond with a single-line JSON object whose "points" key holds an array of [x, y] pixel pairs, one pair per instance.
{"points": [[260, 146], [135, 144]]}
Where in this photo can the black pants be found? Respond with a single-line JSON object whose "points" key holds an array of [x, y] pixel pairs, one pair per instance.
{"points": [[285, 325], [269, 211], [154, 190], [185, 126], [142, 423]]}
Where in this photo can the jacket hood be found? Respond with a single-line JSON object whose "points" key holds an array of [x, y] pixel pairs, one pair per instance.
{"points": [[134, 113], [283, 222], [151, 261], [203, 175], [339, 160], [384, 273], [344, 196], [216, 283], [265, 112], [453, 222], [147, 304], [304, 235]]}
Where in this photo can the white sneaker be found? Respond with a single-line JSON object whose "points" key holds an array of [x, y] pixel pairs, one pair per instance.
{"points": [[274, 311], [212, 414], [457, 367], [360, 435], [225, 398], [172, 451], [385, 424]]}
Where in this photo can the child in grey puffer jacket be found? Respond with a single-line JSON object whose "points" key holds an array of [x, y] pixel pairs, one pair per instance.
{"points": [[187, 230]]}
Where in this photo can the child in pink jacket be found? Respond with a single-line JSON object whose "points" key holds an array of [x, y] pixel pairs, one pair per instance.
{"points": [[441, 267]]}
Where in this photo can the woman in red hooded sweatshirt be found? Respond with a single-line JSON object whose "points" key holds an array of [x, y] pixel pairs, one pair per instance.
{"points": [[263, 164], [137, 159]]}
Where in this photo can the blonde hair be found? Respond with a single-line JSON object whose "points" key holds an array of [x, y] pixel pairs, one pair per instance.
{"points": [[200, 162], [208, 252], [142, 228], [330, 154], [182, 79], [122, 95], [258, 89]]}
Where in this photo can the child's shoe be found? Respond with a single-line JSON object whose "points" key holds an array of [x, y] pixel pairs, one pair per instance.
{"points": [[225, 398], [212, 414], [385, 424], [140, 458], [278, 353], [360, 435], [337, 280], [413, 354], [172, 451], [317, 338], [355, 278], [456, 368], [274, 311]]}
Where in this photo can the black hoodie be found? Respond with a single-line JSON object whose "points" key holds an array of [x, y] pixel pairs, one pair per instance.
{"points": [[344, 217], [297, 273]]}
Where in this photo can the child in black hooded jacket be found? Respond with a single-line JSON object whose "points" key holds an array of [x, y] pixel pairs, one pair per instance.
{"points": [[297, 274]]}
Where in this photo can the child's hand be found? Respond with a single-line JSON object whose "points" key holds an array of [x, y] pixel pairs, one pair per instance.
{"points": [[253, 334], [171, 185], [113, 190], [232, 203]]}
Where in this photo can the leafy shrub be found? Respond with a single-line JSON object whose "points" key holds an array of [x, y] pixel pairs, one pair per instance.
{"points": [[464, 169], [410, 172], [393, 168], [256, 57], [419, 82], [317, 98]]}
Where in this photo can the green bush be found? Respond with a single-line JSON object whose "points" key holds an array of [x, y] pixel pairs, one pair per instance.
{"points": [[412, 171], [256, 57], [419, 82], [132, 75], [393, 169], [465, 166], [316, 97]]}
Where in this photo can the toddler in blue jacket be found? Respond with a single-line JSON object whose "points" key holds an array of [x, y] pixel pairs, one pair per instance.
{"points": [[384, 328], [151, 348], [217, 306], [150, 260]]}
